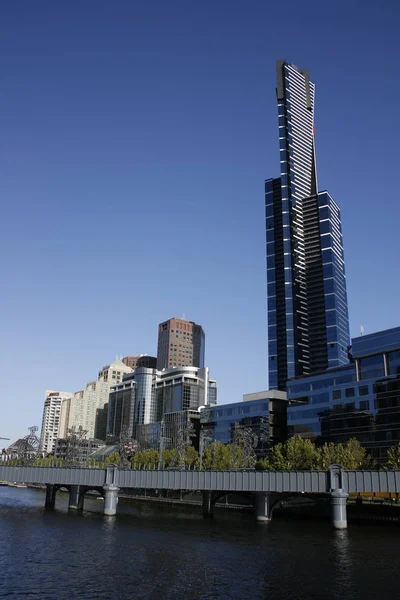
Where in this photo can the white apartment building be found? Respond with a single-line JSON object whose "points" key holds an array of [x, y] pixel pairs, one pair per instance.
{"points": [[51, 422], [85, 405]]}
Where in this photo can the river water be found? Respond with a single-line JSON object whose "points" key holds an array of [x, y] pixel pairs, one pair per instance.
{"points": [[152, 552]]}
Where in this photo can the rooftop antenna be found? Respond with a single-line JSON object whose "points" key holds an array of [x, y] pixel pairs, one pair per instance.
{"points": [[184, 317], [362, 329]]}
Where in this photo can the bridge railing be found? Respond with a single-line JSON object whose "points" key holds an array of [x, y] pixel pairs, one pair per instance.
{"points": [[254, 481], [371, 481]]}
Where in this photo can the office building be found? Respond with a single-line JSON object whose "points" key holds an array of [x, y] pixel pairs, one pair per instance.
{"points": [[360, 400], [307, 300], [263, 412], [51, 421], [146, 395], [142, 360], [184, 388], [181, 343]]}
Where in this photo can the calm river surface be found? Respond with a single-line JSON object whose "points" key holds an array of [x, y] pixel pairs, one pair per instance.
{"points": [[152, 552]]}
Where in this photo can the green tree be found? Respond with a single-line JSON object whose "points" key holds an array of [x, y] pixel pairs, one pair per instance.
{"points": [[48, 461], [351, 456], [146, 459], [217, 457], [301, 453], [393, 458], [168, 458], [223, 457], [297, 454], [192, 458], [236, 457], [328, 454], [113, 458]]}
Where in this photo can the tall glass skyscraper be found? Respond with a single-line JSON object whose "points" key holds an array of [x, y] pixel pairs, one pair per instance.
{"points": [[308, 328]]}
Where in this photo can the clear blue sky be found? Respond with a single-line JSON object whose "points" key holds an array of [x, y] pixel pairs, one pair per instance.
{"points": [[135, 140]]}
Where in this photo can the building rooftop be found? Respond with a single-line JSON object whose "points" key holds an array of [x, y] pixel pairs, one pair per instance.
{"points": [[272, 394], [379, 341]]}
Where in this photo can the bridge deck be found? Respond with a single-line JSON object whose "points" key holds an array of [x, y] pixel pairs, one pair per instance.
{"points": [[246, 481]]}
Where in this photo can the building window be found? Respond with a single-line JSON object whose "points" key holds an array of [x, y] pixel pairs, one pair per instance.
{"points": [[363, 390], [394, 362], [372, 366], [336, 394], [349, 392], [364, 405]]}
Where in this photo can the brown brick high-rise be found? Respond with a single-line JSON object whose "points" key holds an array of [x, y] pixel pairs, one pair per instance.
{"points": [[181, 343]]}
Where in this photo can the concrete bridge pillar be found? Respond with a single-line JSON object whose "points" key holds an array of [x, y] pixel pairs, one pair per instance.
{"points": [[50, 496], [262, 506], [338, 497], [339, 508], [76, 497], [208, 506], [110, 499]]}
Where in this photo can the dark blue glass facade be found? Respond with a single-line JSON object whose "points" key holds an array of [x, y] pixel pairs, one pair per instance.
{"points": [[266, 417], [334, 281], [307, 301], [360, 400]]}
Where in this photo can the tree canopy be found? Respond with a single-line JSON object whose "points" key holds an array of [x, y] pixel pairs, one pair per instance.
{"points": [[299, 454]]}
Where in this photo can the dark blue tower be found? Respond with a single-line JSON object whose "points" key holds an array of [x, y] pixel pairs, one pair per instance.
{"points": [[308, 328]]}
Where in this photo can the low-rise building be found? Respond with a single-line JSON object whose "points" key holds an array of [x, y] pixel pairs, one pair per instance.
{"points": [[360, 400], [73, 450], [264, 413]]}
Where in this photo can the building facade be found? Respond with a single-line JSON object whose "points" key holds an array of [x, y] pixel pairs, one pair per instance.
{"points": [[307, 300], [181, 343], [145, 396], [360, 400], [174, 427], [263, 412], [86, 411], [76, 450], [51, 421], [142, 360]]}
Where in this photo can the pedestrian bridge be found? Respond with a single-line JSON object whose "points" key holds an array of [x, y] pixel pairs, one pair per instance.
{"points": [[264, 486]]}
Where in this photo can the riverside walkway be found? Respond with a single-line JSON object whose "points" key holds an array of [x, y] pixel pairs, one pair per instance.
{"points": [[267, 488]]}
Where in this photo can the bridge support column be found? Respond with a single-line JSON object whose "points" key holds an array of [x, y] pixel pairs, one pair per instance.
{"points": [[110, 499], [75, 501], [50, 496], [339, 508], [262, 507], [208, 507]]}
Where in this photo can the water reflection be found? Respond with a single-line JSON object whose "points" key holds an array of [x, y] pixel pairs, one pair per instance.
{"points": [[343, 564]]}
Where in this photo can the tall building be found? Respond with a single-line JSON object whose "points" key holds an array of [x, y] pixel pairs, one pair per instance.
{"points": [[264, 413], [308, 327], [143, 360], [145, 396], [51, 422], [181, 343]]}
